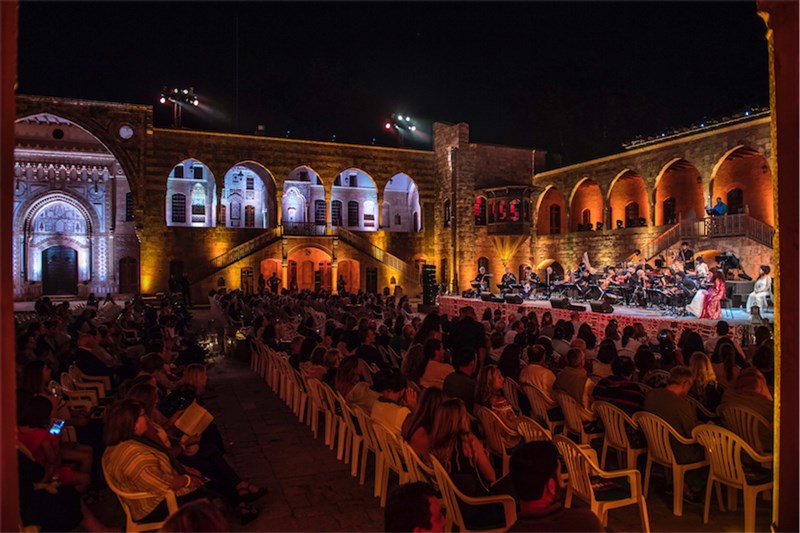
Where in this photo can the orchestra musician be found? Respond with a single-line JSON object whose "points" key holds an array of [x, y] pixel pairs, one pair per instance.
{"points": [[507, 280], [685, 255], [700, 268], [482, 279]]}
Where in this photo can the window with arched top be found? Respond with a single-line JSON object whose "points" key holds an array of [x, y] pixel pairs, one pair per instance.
{"points": [[223, 214], [199, 203], [319, 212], [352, 213], [555, 219], [586, 218], [336, 213], [398, 220], [735, 201], [447, 213], [480, 211], [632, 215]]}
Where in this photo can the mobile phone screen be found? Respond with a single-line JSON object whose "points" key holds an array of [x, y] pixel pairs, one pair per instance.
{"points": [[55, 429]]}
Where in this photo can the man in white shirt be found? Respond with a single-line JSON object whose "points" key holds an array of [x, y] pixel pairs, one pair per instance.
{"points": [[516, 328], [560, 346], [537, 375], [395, 402], [436, 370], [723, 330]]}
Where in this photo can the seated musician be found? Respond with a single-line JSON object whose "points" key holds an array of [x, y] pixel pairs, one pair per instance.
{"points": [[482, 279], [507, 280], [700, 268], [685, 255], [719, 209]]}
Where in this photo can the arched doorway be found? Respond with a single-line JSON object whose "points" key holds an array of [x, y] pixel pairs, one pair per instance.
{"points": [[627, 201], [70, 191], [743, 179], [551, 218], [586, 205], [310, 268], [679, 193], [350, 270], [59, 270]]}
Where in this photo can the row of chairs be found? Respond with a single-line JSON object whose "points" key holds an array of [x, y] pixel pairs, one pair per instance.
{"points": [[724, 445]]}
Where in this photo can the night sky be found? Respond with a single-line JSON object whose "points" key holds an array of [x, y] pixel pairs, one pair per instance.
{"points": [[574, 78]]}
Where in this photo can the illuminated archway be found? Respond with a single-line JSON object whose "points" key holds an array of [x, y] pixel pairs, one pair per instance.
{"points": [[191, 198], [552, 212], [401, 208], [358, 196], [248, 185], [585, 196], [745, 170], [303, 182], [626, 190], [678, 193]]}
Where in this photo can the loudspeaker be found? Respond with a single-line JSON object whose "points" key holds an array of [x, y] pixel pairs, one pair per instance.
{"points": [[486, 296], [513, 299], [557, 303], [429, 287], [579, 308], [601, 307]]}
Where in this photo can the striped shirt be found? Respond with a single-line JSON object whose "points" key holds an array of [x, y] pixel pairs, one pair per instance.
{"points": [[619, 392], [132, 466]]}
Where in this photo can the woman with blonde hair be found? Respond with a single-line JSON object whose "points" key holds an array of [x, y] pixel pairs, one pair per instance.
{"points": [[489, 393], [706, 389]]}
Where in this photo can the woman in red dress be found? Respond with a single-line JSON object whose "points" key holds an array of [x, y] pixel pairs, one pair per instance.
{"points": [[715, 293]]}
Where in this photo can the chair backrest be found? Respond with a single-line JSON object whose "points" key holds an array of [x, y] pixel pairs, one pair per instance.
{"points": [[746, 423], [450, 494], [496, 432], [328, 397], [367, 431], [511, 392], [657, 433], [531, 430], [614, 420], [578, 465], [538, 403], [417, 469], [700, 409], [123, 497], [347, 415], [390, 448], [724, 451], [574, 413]]}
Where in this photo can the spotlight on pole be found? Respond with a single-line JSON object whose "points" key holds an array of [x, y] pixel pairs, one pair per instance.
{"points": [[177, 97]]}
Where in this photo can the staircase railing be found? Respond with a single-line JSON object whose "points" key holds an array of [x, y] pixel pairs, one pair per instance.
{"points": [[729, 226], [392, 261], [235, 254], [663, 241], [712, 227]]}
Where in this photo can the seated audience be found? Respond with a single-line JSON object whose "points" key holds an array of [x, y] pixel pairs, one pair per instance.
{"points": [[619, 389], [460, 384], [706, 389], [750, 390], [413, 507], [606, 354], [574, 381], [537, 375], [489, 393], [418, 427], [436, 370], [196, 517], [395, 402], [669, 403], [351, 383], [535, 471]]}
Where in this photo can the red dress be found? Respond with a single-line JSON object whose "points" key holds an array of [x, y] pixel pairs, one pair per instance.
{"points": [[711, 308]]}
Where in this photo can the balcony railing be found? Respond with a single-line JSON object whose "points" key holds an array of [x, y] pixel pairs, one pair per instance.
{"points": [[307, 229]]}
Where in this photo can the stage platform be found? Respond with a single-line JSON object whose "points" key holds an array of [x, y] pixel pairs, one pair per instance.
{"points": [[652, 319]]}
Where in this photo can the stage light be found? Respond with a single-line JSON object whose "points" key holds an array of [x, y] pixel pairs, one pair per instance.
{"points": [[162, 100], [195, 102], [619, 224], [388, 125], [413, 128], [186, 91]]}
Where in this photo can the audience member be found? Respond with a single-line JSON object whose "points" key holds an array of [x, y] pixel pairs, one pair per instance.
{"points": [[460, 384], [413, 507]]}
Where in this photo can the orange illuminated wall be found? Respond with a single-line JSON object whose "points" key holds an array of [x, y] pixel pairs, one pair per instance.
{"points": [[588, 196], [552, 197], [350, 269], [682, 184], [753, 176], [628, 188], [307, 262]]}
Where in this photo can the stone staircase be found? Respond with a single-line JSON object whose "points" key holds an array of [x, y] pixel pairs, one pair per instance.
{"points": [[203, 271], [235, 254], [741, 225]]}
